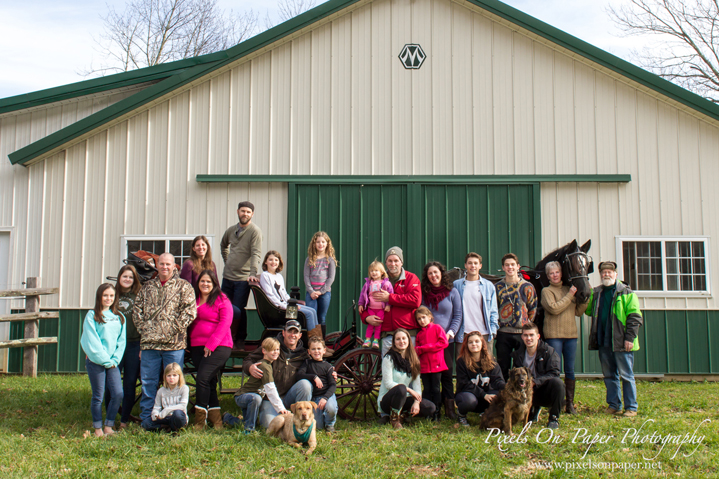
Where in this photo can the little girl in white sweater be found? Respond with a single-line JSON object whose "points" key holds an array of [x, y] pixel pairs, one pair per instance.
{"points": [[171, 401]]}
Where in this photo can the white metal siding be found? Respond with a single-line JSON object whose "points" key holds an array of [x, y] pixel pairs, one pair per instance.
{"points": [[335, 99]]}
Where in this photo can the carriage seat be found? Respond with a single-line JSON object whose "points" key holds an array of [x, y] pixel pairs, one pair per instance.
{"points": [[271, 316]]}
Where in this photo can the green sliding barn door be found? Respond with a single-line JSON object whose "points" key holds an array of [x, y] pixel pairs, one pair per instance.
{"points": [[429, 222]]}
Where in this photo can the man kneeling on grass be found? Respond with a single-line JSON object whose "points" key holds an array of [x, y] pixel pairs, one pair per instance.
{"points": [[543, 362]]}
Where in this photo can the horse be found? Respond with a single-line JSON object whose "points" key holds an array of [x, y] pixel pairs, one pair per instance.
{"points": [[576, 267]]}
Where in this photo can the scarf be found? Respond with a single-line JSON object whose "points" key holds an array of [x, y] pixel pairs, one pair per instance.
{"points": [[304, 437], [400, 363], [436, 295]]}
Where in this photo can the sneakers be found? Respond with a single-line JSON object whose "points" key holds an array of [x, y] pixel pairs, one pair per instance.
{"points": [[629, 413], [229, 420], [553, 422], [367, 343], [462, 420], [247, 432], [329, 429], [612, 411], [375, 344]]}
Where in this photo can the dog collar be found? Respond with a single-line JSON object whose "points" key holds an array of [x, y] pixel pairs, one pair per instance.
{"points": [[305, 436]]}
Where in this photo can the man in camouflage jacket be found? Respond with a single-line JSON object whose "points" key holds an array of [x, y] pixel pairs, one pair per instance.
{"points": [[164, 308]]}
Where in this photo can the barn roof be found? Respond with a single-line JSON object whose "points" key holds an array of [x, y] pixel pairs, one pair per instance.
{"points": [[174, 75]]}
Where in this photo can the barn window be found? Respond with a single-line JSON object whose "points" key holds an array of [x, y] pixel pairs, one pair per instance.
{"points": [[179, 246], [666, 265]]}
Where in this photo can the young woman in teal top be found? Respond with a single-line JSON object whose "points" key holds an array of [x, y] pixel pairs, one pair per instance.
{"points": [[103, 340]]}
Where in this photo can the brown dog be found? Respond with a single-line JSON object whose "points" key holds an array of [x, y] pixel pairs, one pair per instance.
{"points": [[512, 404], [301, 429]]}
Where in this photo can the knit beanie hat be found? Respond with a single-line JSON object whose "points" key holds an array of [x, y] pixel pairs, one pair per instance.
{"points": [[395, 250]]}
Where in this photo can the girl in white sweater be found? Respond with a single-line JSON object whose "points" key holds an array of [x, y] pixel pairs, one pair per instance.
{"points": [[273, 284], [171, 402]]}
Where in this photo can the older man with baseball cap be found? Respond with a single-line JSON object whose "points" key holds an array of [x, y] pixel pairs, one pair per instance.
{"points": [[616, 319], [407, 297]]}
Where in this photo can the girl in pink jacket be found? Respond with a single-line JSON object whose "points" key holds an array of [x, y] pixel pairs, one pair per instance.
{"points": [[430, 345]]}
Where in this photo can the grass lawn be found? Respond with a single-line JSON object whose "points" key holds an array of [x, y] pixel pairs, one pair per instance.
{"points": [[42, 422]]}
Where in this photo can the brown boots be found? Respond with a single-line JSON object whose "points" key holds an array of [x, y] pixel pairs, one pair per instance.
{"points": [[449, 409], [202, 415], [214, 414], [569, 385], [200, 418], [395, 420]]}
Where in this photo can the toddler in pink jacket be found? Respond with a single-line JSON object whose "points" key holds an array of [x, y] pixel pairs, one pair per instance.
{"points": [[377, 281]]}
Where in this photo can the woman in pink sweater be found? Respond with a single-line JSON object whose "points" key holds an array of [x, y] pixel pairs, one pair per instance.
{"points": [[210, 346]]}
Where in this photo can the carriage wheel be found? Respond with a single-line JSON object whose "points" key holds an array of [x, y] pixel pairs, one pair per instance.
{"points": [[359, 374]]}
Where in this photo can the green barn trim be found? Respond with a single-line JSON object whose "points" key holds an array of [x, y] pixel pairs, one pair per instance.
{"points": [[184, 76], [406, 179]]}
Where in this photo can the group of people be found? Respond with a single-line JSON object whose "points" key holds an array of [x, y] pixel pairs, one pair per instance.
{"points": [[424, 327], [426, 321]]}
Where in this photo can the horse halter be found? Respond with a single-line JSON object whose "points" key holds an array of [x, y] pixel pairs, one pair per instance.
{"points": [[584, 259]]}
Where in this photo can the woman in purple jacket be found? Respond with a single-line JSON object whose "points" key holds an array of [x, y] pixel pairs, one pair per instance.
{"points": [[210, 346], [445, 303], [200, 260]]}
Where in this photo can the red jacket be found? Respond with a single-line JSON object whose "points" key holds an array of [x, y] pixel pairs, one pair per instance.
{"points": [[406, 299], [430, 345]]}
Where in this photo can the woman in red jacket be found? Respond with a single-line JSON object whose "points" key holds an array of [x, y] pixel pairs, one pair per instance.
{"points": [[210, 345], [430, 345]]}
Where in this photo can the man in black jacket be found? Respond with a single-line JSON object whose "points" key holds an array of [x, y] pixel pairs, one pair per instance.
{"points": [[544, 363], [284, 370]]}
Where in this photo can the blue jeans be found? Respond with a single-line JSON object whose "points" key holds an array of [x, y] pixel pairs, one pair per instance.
{"points": [[614, 365], [310, 315], [566, 348], [321, 305], [238, 292], [327, 417], [249, 403], [152, 366], [301, 391], [100, 378], [130, 366], [176, 420]]}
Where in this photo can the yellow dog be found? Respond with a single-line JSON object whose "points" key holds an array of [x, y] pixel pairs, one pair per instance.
{"points": [[301, 429]]}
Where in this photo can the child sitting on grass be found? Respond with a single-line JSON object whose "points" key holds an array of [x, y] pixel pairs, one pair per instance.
{"points": [[319, 372], [170, 409], [249, 397], [430, 344]]}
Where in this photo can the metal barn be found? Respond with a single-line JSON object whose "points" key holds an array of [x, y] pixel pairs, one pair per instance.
{"points": [[443, 126]]}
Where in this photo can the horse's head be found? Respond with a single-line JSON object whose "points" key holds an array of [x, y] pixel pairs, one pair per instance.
{"points": [[577, 265]]}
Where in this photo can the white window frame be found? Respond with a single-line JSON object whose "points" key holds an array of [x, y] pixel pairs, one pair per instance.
{"points": [[663, 239], [167, 238]]}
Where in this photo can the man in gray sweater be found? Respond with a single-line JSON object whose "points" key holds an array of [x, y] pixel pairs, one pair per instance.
{"points": [[241, 249]]}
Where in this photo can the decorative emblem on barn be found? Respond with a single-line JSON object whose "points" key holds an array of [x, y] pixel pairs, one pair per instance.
{"points": [[412, 56]]}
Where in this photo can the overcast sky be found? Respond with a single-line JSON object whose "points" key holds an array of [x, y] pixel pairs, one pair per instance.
{"points": [[46, 43]]}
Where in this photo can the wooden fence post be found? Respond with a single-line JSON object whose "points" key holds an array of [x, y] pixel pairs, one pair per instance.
{"points": [[32, 305]]}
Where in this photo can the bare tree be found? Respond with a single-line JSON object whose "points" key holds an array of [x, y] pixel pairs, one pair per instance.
{"points": [[291, 8], [687, 34], [150, 32]]}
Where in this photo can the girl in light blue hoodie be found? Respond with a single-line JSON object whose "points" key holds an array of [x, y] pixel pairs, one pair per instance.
{"points": [[103, 340]]}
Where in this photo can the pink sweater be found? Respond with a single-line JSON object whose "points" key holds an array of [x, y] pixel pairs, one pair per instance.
{"points": [[430, 345], [211, 327]]}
